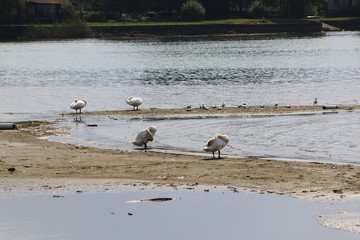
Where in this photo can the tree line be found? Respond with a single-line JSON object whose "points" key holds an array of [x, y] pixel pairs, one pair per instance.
{"points": [[185, 10]]}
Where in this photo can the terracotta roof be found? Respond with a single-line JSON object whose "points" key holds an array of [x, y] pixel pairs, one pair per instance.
{"points": [[45, 1]]}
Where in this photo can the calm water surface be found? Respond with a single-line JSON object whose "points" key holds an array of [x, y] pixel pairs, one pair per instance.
{"points": [[38, 80], [193, 215]]}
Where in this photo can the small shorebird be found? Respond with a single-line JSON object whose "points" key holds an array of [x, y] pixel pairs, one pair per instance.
{"points": [[135, 102], [216, 143], [315, 101], [78, 104], [145, 136]]}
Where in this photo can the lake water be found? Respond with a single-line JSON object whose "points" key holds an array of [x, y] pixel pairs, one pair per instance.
{"points": [[192, 215], [38, 80]]}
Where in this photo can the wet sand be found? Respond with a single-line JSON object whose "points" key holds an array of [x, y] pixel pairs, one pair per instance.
{"points": [[43, 164], [218, 110]]}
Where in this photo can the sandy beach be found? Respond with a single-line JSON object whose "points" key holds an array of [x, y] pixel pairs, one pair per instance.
{"points": [[29, 161]]}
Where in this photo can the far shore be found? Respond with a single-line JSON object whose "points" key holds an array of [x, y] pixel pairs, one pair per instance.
{"points": [[174, 29]]}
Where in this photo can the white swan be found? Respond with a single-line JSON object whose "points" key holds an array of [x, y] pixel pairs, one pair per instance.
{"points": [[145, 136], [216, 144], [78, 104], [135, 102]]}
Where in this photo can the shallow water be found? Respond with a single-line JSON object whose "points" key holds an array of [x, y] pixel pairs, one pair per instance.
{"points": [[193, 215], [305, 137], [39, 80]]}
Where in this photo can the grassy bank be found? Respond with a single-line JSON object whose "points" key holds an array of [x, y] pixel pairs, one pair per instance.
{"points": [[223, 21], [57, 31]]}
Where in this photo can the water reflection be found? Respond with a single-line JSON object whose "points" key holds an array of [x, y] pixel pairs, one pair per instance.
{"points": [[198, 215]]}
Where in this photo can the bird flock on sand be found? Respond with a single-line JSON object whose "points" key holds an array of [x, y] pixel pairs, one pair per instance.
{"points": [[215, 144]]}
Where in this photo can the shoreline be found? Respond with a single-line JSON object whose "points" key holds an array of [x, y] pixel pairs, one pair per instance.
{"points": [[43, 164]]}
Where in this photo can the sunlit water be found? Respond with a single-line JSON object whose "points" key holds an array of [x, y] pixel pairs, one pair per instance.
{"points": [[38, 80], [192, 215]]}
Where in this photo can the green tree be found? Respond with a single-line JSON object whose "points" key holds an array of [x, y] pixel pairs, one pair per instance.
{"points": [[68, 13], [192, 10]]}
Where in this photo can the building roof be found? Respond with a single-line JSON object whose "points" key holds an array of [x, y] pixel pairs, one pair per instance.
{"points": [[45, 1]]}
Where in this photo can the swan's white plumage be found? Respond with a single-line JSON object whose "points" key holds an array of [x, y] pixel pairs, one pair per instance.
{"points": [[145, 136], [78, 104], [216, 143], [134, 101]]}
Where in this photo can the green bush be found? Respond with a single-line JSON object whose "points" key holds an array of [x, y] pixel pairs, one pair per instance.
{"points": [[192, 10]]}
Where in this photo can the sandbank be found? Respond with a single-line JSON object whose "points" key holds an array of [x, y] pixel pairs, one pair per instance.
{"points": [[42, 164]]}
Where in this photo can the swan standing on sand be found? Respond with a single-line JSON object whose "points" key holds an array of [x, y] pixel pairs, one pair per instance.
{"points": [[135, 102], [216, 144], [78, 104], [145, 136]]}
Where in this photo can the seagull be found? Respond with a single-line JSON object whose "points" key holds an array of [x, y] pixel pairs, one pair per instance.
{"points": [[78, 104], [145, 136], [135, 102], [315, 101], [204, 107], [216, 144]]}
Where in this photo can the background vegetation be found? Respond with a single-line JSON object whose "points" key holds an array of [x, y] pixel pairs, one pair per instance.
{"points": [[176, 10]]}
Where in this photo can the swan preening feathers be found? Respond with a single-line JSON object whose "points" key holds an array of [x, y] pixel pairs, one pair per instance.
{"points": [[78, 104], [145, 136], [135, 102], [216, 143]]}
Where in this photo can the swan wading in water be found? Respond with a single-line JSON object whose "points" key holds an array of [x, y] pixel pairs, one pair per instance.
{"points": [[135, 102], [216, 143], [145, 136], [78, 104]]}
